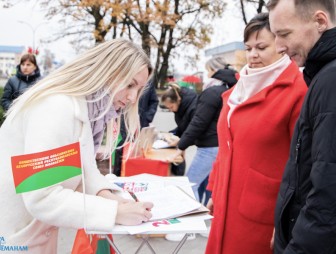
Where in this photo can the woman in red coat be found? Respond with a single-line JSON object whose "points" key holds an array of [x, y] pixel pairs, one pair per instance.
{"points": [[254, 131]]}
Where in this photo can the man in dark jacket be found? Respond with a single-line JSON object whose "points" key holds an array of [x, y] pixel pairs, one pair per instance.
{"points": [[148, 105], [305, 216]]}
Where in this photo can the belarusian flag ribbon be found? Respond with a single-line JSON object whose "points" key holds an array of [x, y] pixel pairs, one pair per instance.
{"points": [[39, 170]]}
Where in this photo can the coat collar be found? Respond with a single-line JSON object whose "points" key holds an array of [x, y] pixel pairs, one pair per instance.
{"points": [[286, 78], [323, 52], [28, 78]]}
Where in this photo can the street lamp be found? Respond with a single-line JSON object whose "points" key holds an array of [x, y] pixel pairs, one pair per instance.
{"points": [[33, 29]]}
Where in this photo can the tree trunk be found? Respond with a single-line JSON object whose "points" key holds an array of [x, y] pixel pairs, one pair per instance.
{"points": [[162, 76], [260, 6], [145, 38], [166, 55], [242, 7]]}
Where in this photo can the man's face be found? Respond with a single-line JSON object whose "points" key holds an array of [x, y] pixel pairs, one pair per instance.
{"points": [[293, 35]]}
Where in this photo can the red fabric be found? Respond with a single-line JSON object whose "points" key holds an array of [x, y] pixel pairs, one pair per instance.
{"points": [[134, 166], [252, 155], [82, 243], [237, 75], [192, 79], [87, 244], [141, 165]]}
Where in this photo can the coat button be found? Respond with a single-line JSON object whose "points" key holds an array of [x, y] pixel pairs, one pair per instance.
{"points": [[292, 219], [47, 233]]}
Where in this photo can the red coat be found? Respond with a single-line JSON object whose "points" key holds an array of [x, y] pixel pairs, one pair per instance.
{"points": [[247, 172]]}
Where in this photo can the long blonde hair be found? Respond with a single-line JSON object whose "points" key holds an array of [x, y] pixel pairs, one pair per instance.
{"points": [[110, 66]]}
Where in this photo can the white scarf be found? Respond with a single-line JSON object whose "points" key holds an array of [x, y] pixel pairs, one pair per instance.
{"points": [[253, 80], [212, 82]]}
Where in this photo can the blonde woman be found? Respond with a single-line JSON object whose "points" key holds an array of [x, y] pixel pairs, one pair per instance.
{"points": [[72, 104]]}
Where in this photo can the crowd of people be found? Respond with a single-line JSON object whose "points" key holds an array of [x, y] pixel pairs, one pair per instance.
{"points": [[265, 136]]}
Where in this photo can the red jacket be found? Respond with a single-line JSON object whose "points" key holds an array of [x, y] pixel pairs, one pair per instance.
{"points": [[247, 172]]}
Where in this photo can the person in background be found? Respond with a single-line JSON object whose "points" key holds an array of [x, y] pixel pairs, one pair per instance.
{"points": [[254, 133], [182, 102], [216, 77], [27, 74], [305, 215], [148, 105], [74, 103], [202, 129]]}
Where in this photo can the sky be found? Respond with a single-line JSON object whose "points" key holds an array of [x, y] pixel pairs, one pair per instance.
{"points": [[24, 22]]}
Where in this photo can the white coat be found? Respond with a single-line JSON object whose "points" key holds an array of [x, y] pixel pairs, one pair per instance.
{"points": [[32, 219]]}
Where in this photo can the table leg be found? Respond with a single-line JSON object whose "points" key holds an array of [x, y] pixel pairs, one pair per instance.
{"points": [[179, 246], [140, 247], [117, 251], [145, 241]]}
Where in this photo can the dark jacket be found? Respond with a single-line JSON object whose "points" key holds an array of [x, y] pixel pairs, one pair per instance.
{"points": [[148, 104], [228, 77], [202, 130], [185, 111], [305, 215], [16, 86]]}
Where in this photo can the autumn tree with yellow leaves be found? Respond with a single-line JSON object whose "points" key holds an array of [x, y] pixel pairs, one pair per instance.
{"points": [[163, 27]]}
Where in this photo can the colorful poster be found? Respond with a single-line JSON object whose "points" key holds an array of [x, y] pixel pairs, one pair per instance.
{"points": [[133, 186], [38, 170]]}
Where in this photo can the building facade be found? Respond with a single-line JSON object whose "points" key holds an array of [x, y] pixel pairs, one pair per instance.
{"points": [[9, 59], [233, 53]]}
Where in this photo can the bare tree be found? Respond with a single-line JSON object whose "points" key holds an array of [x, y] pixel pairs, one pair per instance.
{"points": [[257, 4]]}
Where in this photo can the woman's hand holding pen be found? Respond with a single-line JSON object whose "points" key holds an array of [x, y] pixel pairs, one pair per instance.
{"points": [[129, 212], [133, 213]]}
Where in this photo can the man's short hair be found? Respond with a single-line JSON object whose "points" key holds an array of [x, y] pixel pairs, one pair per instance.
{"points": [[306, 8]]}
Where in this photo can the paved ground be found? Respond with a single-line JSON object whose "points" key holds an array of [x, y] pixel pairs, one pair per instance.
{"points": [[164, 121], [128, 244]]}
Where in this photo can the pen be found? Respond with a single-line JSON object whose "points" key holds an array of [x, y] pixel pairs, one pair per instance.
{"points": [[133, 196]]}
